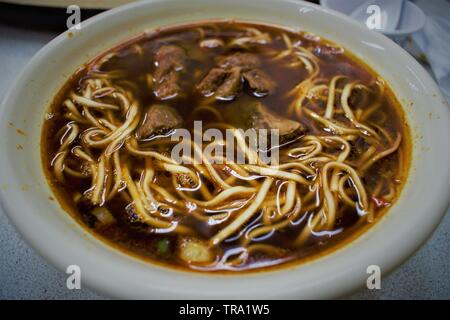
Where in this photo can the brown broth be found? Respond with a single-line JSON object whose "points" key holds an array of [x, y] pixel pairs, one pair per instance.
{"points": [[131, 239]]}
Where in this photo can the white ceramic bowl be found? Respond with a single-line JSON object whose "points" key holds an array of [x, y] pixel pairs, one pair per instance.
{"points": [[413, 18], [55, 235]]}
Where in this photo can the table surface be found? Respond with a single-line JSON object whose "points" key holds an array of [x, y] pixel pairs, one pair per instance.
{"points": [[25, 275]]}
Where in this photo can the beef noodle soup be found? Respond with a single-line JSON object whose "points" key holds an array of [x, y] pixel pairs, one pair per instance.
{"points": [[339, 136]]}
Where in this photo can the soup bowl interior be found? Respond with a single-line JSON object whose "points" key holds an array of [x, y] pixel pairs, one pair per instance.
{"points": [[28, 200]]}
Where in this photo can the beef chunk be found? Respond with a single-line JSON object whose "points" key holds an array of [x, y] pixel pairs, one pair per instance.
{"points": [[159, 119], [231, 85], [253, 114], [245, 61], [225, 80], [167, 87], [259, 82], [225, 83], [264, 119], [209, 84], [328, 53], [170, 60]]}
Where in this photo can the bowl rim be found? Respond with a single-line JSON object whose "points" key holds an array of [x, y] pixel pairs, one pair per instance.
{"points": [[343, 278], [394, 33]]}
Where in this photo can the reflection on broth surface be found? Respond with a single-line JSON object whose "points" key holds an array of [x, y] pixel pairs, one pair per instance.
{"points": [[343, 153]]}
